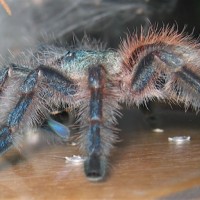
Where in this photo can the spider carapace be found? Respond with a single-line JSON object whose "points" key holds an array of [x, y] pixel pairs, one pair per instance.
{"points": [[161, 64]]}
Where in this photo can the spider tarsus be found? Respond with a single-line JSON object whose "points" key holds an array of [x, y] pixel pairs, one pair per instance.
{"points": [[95, 167], [59, 129]]}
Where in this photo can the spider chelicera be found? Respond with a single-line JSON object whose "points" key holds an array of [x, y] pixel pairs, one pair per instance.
{"points": [[161, 64]]}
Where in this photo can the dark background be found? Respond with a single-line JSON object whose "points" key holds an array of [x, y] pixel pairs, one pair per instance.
{"points": [[39, 21], [34, 21]]}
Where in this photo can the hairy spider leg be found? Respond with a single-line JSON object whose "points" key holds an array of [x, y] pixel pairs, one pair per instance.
{"points": [[166, 71], [183, 84], [101, 117], [144, 74], [28, 91], [5, 134], [93, 165]]}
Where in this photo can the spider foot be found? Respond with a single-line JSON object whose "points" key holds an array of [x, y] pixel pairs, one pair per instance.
{"points": [[59, 129], [95, 167]]}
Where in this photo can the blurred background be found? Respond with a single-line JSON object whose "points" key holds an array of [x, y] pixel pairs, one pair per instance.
{"points": [[33, 21], [36, 21]]}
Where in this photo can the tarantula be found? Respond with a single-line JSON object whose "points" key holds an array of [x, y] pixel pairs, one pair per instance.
{"points": [[161, 64]]}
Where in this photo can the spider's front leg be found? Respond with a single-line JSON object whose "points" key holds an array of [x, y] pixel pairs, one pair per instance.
{"points": [[97, 118], [42, 87]]}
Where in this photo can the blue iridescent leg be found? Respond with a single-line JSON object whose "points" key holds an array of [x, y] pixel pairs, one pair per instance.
{"points": [[58, 128], [22, 115], [5, 139], [99, 135], [5, 133]]}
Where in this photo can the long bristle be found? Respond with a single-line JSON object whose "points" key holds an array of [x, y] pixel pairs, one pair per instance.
{"points": [[135, 45]]}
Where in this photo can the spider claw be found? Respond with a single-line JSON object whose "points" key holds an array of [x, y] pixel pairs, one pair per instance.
{"points": [[58, 128]]}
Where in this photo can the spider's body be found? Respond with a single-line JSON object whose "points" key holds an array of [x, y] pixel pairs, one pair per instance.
{"points": [[162, 65]]}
